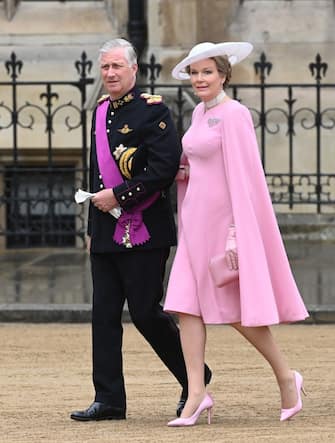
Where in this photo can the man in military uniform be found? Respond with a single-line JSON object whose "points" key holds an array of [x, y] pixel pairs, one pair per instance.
{"points": [[135, 156]]}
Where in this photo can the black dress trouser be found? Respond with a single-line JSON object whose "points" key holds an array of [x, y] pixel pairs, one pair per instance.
{"points": [[135, 276]]}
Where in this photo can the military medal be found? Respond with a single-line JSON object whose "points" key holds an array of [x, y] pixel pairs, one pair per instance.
{"points": [[126, 237]]}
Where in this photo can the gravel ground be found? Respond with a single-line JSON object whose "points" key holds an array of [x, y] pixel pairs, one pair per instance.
{"points": [[45, 373]]}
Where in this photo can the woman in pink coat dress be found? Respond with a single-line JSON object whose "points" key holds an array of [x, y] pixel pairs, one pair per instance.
{"points": [[224, 208]]}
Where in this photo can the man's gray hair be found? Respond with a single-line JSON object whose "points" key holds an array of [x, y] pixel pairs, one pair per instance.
{"points": [[129, 52]]}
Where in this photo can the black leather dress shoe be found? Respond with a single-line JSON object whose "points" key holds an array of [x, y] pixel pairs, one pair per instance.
{"points": [[99, 411], [183, 398]]}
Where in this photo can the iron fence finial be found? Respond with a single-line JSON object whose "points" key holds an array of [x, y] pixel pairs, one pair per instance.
{"points": [[13, 66], [152, 68], [263, 66], [83, 66], [318, 68]]}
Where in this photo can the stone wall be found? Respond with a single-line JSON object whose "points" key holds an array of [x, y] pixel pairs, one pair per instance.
{"points": [[290, 32], [48, 37]]}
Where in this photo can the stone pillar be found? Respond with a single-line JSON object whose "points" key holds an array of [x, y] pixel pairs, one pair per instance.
{"points": [[10, 7], [137, 26], [117, 12], [175, 27], [214, 18]]}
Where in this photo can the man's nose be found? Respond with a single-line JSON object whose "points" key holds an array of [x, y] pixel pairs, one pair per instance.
{"points": [[111, 71]]}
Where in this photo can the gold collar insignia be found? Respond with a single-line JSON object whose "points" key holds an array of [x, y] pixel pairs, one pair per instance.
{"points": [[122, 101]]}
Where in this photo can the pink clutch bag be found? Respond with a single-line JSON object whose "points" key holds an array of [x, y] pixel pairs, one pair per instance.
{"points": [[220, 272]]}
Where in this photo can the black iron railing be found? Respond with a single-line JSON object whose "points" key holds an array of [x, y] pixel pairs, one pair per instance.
{"points": [[39, 174], [295, 125]]}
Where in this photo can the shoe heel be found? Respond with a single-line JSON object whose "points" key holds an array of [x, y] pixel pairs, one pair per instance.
{"points": [[209, 415]]}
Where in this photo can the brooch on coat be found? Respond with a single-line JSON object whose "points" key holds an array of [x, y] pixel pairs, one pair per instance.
{"points": [[213, 121]]}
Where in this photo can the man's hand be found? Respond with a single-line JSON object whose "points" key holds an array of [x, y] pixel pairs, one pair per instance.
{"points": [[183, 172], [231, 249], [105, 200]]}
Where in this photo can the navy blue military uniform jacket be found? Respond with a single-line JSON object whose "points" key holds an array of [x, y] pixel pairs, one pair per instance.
{"points": [[142, 124]]}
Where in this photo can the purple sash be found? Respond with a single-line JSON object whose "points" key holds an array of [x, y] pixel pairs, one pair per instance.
{"points": [[130, 229]]}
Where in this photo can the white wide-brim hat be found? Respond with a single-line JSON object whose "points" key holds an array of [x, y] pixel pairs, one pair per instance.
{"points": [[235, 51]]}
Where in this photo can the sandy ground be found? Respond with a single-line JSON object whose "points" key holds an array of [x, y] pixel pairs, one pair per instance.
{"points": [[45, 373]]}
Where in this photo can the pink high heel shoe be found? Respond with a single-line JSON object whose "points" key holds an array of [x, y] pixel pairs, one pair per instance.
{"points": [[286, 414], [207, 403]]}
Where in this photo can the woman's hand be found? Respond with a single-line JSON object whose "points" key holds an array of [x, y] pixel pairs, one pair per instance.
{"points": [[231, 249]]}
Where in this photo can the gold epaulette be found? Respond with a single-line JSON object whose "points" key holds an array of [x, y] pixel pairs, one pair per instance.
{"points": [[103, 98], [152, 99]]}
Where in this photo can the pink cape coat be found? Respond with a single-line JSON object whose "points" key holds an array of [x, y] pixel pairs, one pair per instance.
{"points": [[227, 185]]}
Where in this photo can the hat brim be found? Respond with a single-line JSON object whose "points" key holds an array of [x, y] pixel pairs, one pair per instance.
{"points": [[235, 51]]}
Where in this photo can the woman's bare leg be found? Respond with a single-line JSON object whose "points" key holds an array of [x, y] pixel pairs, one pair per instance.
{"points": [[262, 339], [193, 341]]}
